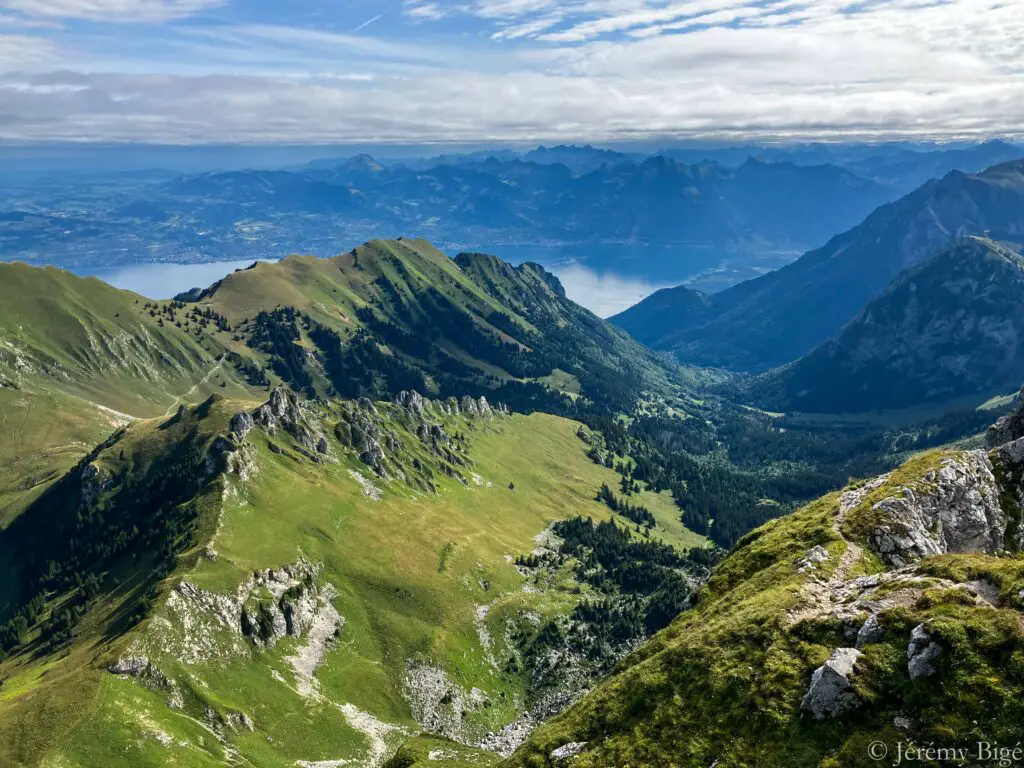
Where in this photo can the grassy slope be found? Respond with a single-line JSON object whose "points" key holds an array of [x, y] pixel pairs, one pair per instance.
{"points": [[725, 681], [95, 342], [78, 358], [409, 570], [394, 278], [44, 690], [331, 290]]}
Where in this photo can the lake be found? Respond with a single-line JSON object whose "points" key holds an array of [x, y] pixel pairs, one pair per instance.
{"points": [[165, 281]]}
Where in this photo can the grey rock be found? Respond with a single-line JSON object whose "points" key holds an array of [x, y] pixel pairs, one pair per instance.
{"points": [[830, 693], [321, 445], [814, 557], [413, 402], [241, 424], [954, 509], [343, 432], [1008, 428], [133, 666], [870, 632], [566, 751], [922, 653], [239, 720]]}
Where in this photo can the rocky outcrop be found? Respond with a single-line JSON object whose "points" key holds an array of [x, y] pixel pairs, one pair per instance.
{"points": [[1008, 428], [831, 694], [198, 625], [284, 411], [241, 424], [922, 653], [95, 482], [953, 509]]}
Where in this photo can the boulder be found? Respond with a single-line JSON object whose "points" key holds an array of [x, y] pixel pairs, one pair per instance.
{"points": [[922, 653], [830, 693], [566, 751], [814, 557], [870, 632]]}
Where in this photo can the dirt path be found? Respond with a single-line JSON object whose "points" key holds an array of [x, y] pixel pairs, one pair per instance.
{"points": [[210, 374], [820, 596]]}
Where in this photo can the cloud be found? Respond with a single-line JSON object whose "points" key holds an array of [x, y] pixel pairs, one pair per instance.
{"points": [[23, 51], [603, 294], [420, 10], [775, 68], [111, 10]]}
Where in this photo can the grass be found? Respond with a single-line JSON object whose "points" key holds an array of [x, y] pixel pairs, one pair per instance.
{"points": [[45, 434], [724, 682], [409, 570]]}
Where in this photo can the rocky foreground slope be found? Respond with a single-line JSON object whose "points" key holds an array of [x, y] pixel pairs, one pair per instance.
{"points": [[892, 611]]}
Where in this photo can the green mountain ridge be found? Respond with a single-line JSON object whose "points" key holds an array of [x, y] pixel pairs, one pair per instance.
{"points": [[946, 328], [779, 317]]}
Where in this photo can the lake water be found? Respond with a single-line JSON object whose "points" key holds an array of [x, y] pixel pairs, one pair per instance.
{"points": [[165, 281]]}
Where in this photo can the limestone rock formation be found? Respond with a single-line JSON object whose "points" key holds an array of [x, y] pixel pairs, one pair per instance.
{"points": [[831, 693], [568, 750], [870, 632], [954, 509]]}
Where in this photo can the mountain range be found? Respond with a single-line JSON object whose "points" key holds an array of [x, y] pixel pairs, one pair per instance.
{"points": [[387, 508], [393, 509], [688, 218], [946, 328], [777, 318]]}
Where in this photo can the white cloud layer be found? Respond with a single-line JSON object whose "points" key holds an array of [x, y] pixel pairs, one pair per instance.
{"points": [[111, 10], [530, 70], [603, 294]]}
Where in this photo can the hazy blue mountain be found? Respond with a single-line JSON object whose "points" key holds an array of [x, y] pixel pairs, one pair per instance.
{"points": [[951, 326], [900, 166], [782, 316], [699, 216]]}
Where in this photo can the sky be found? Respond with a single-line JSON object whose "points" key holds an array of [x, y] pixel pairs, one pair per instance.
{"points": [[380, 71]]}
